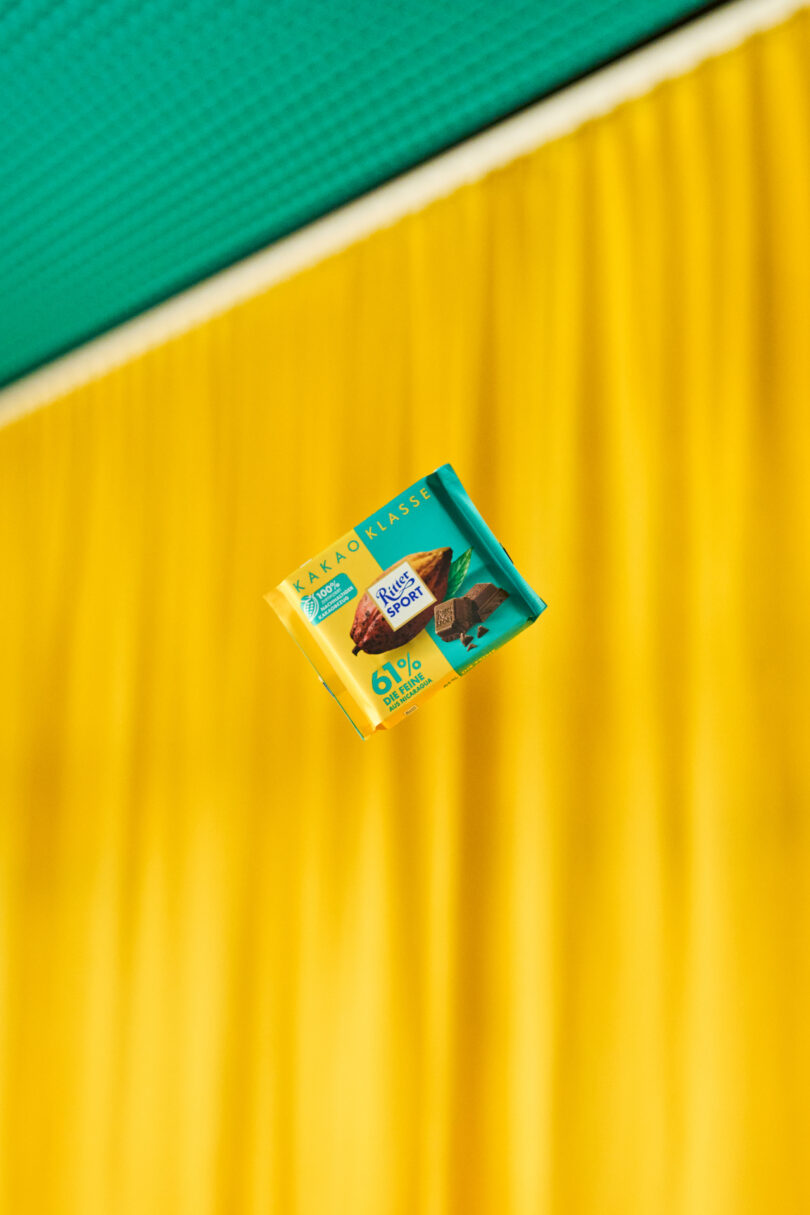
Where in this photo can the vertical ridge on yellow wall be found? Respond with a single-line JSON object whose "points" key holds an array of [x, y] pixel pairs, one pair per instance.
{"points": [[544, 947]]}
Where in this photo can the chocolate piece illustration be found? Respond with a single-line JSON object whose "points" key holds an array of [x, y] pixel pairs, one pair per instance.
{"points": [[453, 618], [486, 598], [370, 630], [481, 631]]}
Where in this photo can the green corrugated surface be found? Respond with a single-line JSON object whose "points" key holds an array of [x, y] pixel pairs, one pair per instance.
{"points": [[146, 143]]}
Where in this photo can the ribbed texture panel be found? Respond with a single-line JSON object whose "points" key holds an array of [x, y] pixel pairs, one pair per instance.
{"points": [[145, 144]]}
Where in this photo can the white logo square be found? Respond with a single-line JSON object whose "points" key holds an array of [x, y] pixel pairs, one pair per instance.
{"points": [[400, 595]]}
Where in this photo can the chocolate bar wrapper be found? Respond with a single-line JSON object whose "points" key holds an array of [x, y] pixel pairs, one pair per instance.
{"points": [[381, 611]]}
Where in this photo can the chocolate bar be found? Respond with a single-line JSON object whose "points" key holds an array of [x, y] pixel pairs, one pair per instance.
{"points": [[374, 610], [453, 617], [486, 598]]}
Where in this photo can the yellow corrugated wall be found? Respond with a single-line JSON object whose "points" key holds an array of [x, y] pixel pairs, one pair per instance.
{"points": [[546, 947]]}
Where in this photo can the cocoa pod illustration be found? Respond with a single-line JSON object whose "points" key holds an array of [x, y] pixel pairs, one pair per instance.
{"points": [[370, 630]]}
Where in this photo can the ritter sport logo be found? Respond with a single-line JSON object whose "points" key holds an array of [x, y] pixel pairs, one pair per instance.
{"points": [[400, 595]]}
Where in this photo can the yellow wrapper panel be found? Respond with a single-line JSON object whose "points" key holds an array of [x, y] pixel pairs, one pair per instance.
{"points": [[407, 601]]}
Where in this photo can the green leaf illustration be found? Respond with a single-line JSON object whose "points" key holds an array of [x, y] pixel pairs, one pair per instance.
{"points": [[458, 572]]}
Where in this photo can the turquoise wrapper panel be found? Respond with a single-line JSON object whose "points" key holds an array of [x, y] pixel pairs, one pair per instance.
{"points": [[447, 518]]}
